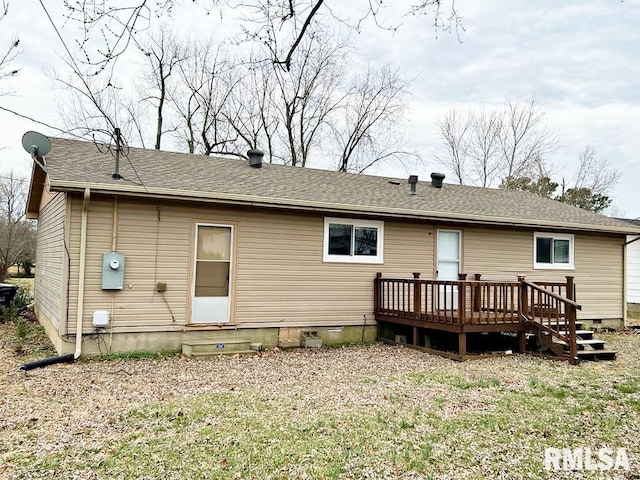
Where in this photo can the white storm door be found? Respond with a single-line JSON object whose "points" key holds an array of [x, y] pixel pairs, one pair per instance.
{"points": [[448, 266], [212, 274]]}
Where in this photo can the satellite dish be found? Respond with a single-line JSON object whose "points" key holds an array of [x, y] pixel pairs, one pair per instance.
{"points": [[37, 144]]}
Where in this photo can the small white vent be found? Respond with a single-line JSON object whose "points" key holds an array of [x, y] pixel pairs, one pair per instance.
{"points": [[101, 319]]}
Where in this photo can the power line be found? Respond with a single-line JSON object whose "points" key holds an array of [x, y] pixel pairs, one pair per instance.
{"points": [[26, 117]]}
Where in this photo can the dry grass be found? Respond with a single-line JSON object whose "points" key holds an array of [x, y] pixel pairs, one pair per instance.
{"points": [[357, 412]]}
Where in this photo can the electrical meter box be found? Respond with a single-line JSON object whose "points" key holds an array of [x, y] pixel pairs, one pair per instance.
{"points": [[112, 271]]}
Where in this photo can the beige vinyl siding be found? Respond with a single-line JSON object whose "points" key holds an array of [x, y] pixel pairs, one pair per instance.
{"points": [[50, 259], [633, 271], [280, 278], [502, 254], [283, 280], [137, 307]]}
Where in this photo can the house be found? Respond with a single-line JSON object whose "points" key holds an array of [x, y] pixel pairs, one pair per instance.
{"points": [[176, 250], [632, 268]]}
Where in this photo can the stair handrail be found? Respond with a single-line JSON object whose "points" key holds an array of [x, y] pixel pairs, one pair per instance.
{"points": [[570, 315], [553, 294]]}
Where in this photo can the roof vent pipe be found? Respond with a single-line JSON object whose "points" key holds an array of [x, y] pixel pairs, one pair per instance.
{"points": [[436, 179], [413, 180], [255, 158]]}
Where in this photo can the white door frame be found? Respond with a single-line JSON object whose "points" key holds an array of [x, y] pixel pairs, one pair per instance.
{"points": [[459, 260], [213, 304], [451, 300]]}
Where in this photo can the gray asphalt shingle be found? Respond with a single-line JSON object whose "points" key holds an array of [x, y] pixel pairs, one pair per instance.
{"points": [[76, 164]]}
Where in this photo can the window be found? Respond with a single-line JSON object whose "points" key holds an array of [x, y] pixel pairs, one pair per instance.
{"points": [[355, 241], [552, 250]]}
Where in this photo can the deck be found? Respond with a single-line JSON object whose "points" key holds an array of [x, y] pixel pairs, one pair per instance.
{"points": [[465, 306]]}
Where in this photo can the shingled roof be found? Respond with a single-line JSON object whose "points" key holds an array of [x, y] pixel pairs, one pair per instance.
{"points": [[75, 165]]}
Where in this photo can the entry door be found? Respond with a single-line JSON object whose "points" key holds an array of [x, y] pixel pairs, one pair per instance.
{"points": [[212, 274], [448, 266]]}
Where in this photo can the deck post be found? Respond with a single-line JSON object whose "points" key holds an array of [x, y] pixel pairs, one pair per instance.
{"points": [[417, 295], [376, 292], [462, 295], [462, 345], [522, 296], [571, 317], [570, 288], [522, 340], [477, 296]]}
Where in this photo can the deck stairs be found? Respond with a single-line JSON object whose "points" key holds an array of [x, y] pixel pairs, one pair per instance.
{"points": [[588, 347]]}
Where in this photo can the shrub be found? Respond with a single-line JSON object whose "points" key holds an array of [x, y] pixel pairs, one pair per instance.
{"points": [[9, 314], [24, 297]]}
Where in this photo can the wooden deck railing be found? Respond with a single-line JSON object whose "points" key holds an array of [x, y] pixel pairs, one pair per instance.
{"points": [[547, 307], [458, 302]]}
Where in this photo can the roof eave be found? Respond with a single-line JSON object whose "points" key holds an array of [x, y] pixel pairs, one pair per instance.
{"points": [[36, 188], [252, 200]]}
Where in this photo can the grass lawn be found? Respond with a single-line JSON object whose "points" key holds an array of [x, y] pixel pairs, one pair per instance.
{"points": [[370, 411]]}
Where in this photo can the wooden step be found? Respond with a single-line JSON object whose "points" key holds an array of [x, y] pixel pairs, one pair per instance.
{"points": [[584, 334], [208, 348], [597, 354], [559, 325], [593, 343]]}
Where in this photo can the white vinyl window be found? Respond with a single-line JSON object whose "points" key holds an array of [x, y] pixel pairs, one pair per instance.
{"points": [[352, 241], [553, 251]]}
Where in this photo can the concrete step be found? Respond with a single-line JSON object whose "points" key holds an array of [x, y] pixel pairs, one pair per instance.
{"points": [[207, 348]]}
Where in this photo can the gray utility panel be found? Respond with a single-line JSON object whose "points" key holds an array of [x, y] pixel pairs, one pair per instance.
{"points": [[112, 271]]}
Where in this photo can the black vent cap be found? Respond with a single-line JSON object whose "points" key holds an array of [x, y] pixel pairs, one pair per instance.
{"points": [[436, 179], [255, 158]]}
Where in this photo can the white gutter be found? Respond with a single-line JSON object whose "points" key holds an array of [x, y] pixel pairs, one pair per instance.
{"points": [[83, 261]]}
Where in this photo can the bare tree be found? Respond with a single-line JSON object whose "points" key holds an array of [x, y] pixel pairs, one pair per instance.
{"points": [[7, 68], [454, 143], [93, 112], [119, 24], [164, 53], [591, 185], [484, 147], [308, 94], [252, 109], [594, 173], [366, 135], [525, 140], [208, 80], [17, 234]]}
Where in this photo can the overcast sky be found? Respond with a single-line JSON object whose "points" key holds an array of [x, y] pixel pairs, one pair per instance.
{"points": [[581, 60]]}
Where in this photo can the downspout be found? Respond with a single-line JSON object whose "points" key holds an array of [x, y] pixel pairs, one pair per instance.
{"points": [[83, 254], [83, 261], [625, 309], [624, 285]]}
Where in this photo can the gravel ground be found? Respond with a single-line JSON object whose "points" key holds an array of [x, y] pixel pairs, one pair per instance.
{"points": [[483, 419]]}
